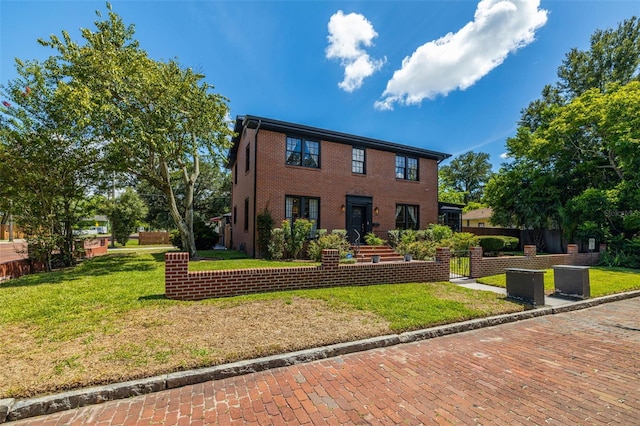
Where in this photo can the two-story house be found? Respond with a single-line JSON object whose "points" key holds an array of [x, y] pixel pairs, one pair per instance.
{"points": [[336, 180]]}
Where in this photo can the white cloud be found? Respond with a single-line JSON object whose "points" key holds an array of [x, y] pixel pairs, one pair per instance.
{"points": [[457, 61], [504, 155], [347, 35]]}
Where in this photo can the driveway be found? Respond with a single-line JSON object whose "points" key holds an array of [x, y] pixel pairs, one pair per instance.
{"points": [[580, 367]]}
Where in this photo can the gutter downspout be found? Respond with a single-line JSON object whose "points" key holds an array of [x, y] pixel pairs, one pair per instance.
{"points": [[255, 186]]}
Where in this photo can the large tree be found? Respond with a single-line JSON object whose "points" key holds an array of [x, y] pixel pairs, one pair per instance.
{"points": [[467, 173], [155, 118], [579, 143], [48, 160]]}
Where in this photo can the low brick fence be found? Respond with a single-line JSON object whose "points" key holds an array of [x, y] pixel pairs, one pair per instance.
{"points": [[95, 247], [484, 266], [18, 268], [150, 238], [181, 284]]}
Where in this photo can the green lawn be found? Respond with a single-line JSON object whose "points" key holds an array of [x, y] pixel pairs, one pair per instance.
{"points": [[108, 320], [603, 281]]}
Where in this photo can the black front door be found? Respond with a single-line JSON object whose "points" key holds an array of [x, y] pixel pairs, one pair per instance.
{"points": [[358, 218], [358, 225]]}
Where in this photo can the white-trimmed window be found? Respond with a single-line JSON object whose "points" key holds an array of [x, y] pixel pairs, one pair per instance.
{"points": [[358, 161]]}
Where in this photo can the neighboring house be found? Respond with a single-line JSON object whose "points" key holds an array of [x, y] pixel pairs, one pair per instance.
{"points": [[479, 218], [336, 180]]}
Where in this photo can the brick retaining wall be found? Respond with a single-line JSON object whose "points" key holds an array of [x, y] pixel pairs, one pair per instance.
{"points": [[18, 268], [181, 284], [484, 266]]}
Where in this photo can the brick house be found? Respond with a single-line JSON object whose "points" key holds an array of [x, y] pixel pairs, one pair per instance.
{"points": [[337, 180]]}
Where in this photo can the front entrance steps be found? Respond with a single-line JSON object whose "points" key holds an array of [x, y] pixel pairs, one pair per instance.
{"points": [[365, 253]]}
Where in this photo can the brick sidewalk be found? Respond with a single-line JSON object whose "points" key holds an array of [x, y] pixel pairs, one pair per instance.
{"points": [[581, 367]]}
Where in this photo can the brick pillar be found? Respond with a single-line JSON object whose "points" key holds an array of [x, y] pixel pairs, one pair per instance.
{"points": [[530, 251], [330, 258], [475, 257], [443, 257], [176, 272], [572, 249]]}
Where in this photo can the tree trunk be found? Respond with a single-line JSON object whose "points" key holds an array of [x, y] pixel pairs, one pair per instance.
{"points": [[186, 230]]}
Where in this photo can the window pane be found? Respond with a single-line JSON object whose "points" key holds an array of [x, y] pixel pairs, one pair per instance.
{"points": [[412, 168], [412, 217], [400, 166], [357, 161], [311, 154], [314, 205], [400, 217], [288, 213], [294, 151]]}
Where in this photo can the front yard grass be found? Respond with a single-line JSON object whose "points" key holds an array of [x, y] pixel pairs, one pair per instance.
{"points": [[603, 281], [108, 320]]}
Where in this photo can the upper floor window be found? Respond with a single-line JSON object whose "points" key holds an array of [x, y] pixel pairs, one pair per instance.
{"points": [[357, 161], [406, 168], [301, 152]]}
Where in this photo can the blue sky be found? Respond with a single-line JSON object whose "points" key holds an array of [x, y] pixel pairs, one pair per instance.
{"points": [[445, 75]]}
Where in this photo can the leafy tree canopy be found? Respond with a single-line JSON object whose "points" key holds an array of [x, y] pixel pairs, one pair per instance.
{"points": [[468, 174], [577, 147], [157, 120]]}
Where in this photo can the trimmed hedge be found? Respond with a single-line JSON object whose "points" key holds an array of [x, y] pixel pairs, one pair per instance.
{"points": [[496, 243]]}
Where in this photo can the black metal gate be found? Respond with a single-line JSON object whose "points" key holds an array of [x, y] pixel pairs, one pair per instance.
{"points": [[459, 264]]}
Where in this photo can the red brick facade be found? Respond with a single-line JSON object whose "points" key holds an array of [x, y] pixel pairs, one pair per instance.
{"points": [[181, 284], [265, 179]]}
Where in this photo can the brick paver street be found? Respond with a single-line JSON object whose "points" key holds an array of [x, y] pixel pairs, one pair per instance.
{"points": [[581, 367]]}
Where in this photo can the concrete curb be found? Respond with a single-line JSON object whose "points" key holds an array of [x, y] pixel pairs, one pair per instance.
{"points": [[11, 409]]}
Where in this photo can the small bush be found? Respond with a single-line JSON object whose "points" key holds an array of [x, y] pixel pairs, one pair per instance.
{"points": [[462, 241], [373, 240], [329, 241], [510, 243], [491, 243], [176, 239], [276, 245], [439, 232]]}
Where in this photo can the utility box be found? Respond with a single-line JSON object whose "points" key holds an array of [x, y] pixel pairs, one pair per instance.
{"points": [[572, 281], [526, 285]]}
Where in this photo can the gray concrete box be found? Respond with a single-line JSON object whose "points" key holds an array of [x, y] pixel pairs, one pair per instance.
{"points": [[572, 281], [526, 285]]}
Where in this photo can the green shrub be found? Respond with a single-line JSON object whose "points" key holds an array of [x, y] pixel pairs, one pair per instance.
{"points": [[265, 225], [491, 243], [510, 243], [335, 241], [462, 241], [393, 237], [373, 240], [622, 252], [176, 240], [276, 245], [439, 232], [421, 250]]}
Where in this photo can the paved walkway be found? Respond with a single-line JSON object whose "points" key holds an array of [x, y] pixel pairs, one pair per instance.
{"points": [[580, 367]]}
